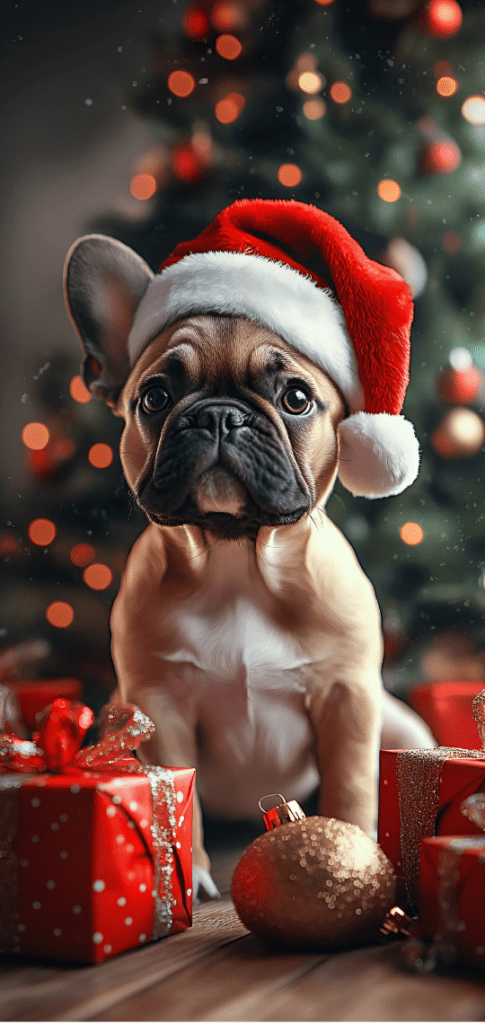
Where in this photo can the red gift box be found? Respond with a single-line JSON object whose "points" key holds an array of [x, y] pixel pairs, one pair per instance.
{"points": [[447, 709], [94, 861], [452, 897], [34, 695], [420, 794]]}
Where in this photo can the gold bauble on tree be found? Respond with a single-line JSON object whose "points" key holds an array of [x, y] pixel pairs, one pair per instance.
{"points": [[312, 882]]}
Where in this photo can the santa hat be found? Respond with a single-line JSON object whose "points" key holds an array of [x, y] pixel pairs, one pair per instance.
{"points": [[293, 268]]}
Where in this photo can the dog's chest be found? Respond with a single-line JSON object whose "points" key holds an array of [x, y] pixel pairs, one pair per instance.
{"points": [[226, 627]]}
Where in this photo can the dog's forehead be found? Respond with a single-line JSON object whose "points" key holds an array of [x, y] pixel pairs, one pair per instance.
{"points": [[208, 347]]}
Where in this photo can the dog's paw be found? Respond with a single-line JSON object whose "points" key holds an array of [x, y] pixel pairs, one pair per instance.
{"points": [[203, 885]]}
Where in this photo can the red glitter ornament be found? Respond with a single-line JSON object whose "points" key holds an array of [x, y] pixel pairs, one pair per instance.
{"points": [[458, 387]]}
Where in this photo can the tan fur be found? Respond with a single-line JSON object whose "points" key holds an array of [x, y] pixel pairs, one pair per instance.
{"points": [[302, 582]]}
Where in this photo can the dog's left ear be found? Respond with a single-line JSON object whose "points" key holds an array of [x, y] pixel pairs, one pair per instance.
{"points": [[104, 282]]}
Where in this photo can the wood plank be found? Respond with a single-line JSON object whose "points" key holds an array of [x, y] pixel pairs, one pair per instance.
{"points": [[372, 985], [30, 992], [220, 988]]}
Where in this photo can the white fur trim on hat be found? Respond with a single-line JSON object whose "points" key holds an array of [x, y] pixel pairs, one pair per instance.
{"points": [[379, 454], [264, 291]]}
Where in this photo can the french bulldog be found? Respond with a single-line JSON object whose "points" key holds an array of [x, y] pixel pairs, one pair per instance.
{"points": [[244, 625]]}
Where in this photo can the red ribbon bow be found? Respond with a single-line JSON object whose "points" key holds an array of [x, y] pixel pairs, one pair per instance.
{"points": [[62, 728]]}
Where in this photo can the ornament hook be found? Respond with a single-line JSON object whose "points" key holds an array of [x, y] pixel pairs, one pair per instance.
{"points": [[285, 811]]}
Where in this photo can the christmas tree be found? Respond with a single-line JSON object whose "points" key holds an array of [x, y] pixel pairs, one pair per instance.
{"points": [[376, 114]]}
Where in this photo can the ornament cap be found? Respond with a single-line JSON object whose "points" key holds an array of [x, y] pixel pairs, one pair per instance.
{"points": [[285, 811]]}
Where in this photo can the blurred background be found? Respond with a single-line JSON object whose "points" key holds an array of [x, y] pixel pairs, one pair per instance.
{"points": [[141, 120]]}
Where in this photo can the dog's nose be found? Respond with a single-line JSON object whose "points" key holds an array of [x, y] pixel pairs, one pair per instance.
{"points": [[219, 419]]}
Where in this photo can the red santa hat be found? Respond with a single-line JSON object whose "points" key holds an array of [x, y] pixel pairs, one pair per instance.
{"points": [[293, 268]]}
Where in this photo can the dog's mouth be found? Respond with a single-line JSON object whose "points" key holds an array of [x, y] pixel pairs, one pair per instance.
{"points": [[224, 468]]}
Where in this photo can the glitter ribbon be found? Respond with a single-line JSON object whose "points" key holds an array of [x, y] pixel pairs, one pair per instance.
{"points": [[124, 727]]}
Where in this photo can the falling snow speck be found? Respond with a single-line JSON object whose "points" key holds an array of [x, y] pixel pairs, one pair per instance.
{"points": [[88, 102]]}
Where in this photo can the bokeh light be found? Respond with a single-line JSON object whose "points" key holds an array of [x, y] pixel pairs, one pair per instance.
{"points": [[143, 186], [181, 83], [443, 17], [473, 110], [82, 554], [42, 532], [451, 241], [196, 22], [314, 109], [310, 82], [446, 86], [35, 435], [324, 3], [411, 533], [60, 614], [461, 358], [79, 391], [443, 67], [228, 46], [97, 576], [388, 190], [227, 17], [228, 109], [100, 455], [289, 175], [340, 92], [186, 164]]}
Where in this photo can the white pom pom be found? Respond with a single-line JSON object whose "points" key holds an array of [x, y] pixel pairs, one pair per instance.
{"points": [[379, 454]]}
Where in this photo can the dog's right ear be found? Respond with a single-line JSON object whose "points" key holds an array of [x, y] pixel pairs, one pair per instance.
{"points": [[104, 282]]}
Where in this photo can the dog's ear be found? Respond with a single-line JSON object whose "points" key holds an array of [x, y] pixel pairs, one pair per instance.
{"points": [[104, 282]]}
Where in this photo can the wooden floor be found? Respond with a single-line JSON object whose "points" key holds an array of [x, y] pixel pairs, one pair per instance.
{"points": [[216, 971]]}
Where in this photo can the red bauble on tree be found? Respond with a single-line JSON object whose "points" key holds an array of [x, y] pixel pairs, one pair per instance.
{"points": [[440, 157], [460, 383]]}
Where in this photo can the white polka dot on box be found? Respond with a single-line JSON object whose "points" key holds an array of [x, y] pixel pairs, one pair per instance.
{"points": [[100, 862]]}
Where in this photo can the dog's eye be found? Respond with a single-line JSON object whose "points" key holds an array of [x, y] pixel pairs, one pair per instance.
{"points": [[155, 400], [296, 401]]}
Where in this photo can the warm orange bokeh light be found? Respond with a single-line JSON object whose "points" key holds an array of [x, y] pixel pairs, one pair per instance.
{"points": [[340, 92], [181, 83], [411, 533], [143, 186], [388, 190], [310, 82], [314, 109], [35, 435], [42, 532], [324, 3], [82, 554], [100, 455], [228, 109], [79, 391], [289, 175], [97, 576], [443, 17], [446, 86], [59, 614], [228, 47]]}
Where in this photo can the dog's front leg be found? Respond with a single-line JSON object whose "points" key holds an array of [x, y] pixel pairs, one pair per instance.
{"points": [[347, 718]]}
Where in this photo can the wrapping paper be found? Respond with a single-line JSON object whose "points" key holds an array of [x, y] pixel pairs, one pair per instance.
{"points": [[452, 897], [96, 858], [420, 796], [447, 709], [34, 695]]}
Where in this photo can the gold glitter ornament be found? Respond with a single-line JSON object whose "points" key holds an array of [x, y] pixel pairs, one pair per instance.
{"points": [[313, 883]]}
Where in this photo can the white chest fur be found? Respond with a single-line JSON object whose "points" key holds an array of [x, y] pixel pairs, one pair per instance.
{"points": [[250, 683]]}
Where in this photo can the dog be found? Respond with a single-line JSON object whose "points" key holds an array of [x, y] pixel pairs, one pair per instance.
{"points": [[244, 625]]}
